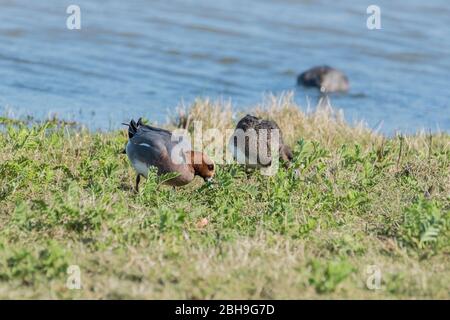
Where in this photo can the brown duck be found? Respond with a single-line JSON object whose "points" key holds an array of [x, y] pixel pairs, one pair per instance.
{"points": [[256, 153]]}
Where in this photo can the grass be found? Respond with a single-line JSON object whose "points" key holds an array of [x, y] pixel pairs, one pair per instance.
{"points": [[362, 200]]}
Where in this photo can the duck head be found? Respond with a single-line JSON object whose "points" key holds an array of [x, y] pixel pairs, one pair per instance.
{"points": [[202, 165]]}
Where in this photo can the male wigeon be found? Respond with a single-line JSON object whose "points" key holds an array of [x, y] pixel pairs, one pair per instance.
{"points": [[149, 146], [256, 150], [325, 78]]}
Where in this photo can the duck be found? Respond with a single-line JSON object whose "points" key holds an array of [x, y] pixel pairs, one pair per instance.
{"points": [[151, 146], [251, 153], [326, 78]]}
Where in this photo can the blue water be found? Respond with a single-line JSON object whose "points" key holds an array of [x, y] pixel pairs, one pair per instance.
{"points": [[134, 58]]}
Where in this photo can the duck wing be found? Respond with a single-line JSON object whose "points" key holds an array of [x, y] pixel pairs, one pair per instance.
{"points": [[158, 147]]}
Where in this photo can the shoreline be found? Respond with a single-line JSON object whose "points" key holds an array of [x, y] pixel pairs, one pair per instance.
{"points": [[268, 105]]}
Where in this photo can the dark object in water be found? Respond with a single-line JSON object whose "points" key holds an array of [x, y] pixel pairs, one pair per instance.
{"points": [[325, 78]]}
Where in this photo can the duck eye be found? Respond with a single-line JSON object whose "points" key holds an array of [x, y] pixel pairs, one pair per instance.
{"points": [[210, 167]]}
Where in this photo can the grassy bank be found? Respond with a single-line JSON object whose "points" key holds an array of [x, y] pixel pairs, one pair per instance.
{"points": [[361, 200]]}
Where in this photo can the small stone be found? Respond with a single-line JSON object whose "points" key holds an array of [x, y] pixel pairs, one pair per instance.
{"points": [[202, 223]]}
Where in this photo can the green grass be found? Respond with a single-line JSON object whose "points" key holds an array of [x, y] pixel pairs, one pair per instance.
{"points": [[361, 200]]}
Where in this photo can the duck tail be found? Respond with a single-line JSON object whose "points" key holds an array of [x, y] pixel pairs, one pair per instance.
{"points": [[132, 127]]}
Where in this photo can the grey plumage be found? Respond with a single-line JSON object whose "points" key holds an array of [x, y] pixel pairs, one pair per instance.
{"points": [[150, 146]]}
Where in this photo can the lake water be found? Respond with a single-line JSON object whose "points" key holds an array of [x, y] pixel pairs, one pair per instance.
{"points": [[134, 58]]}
